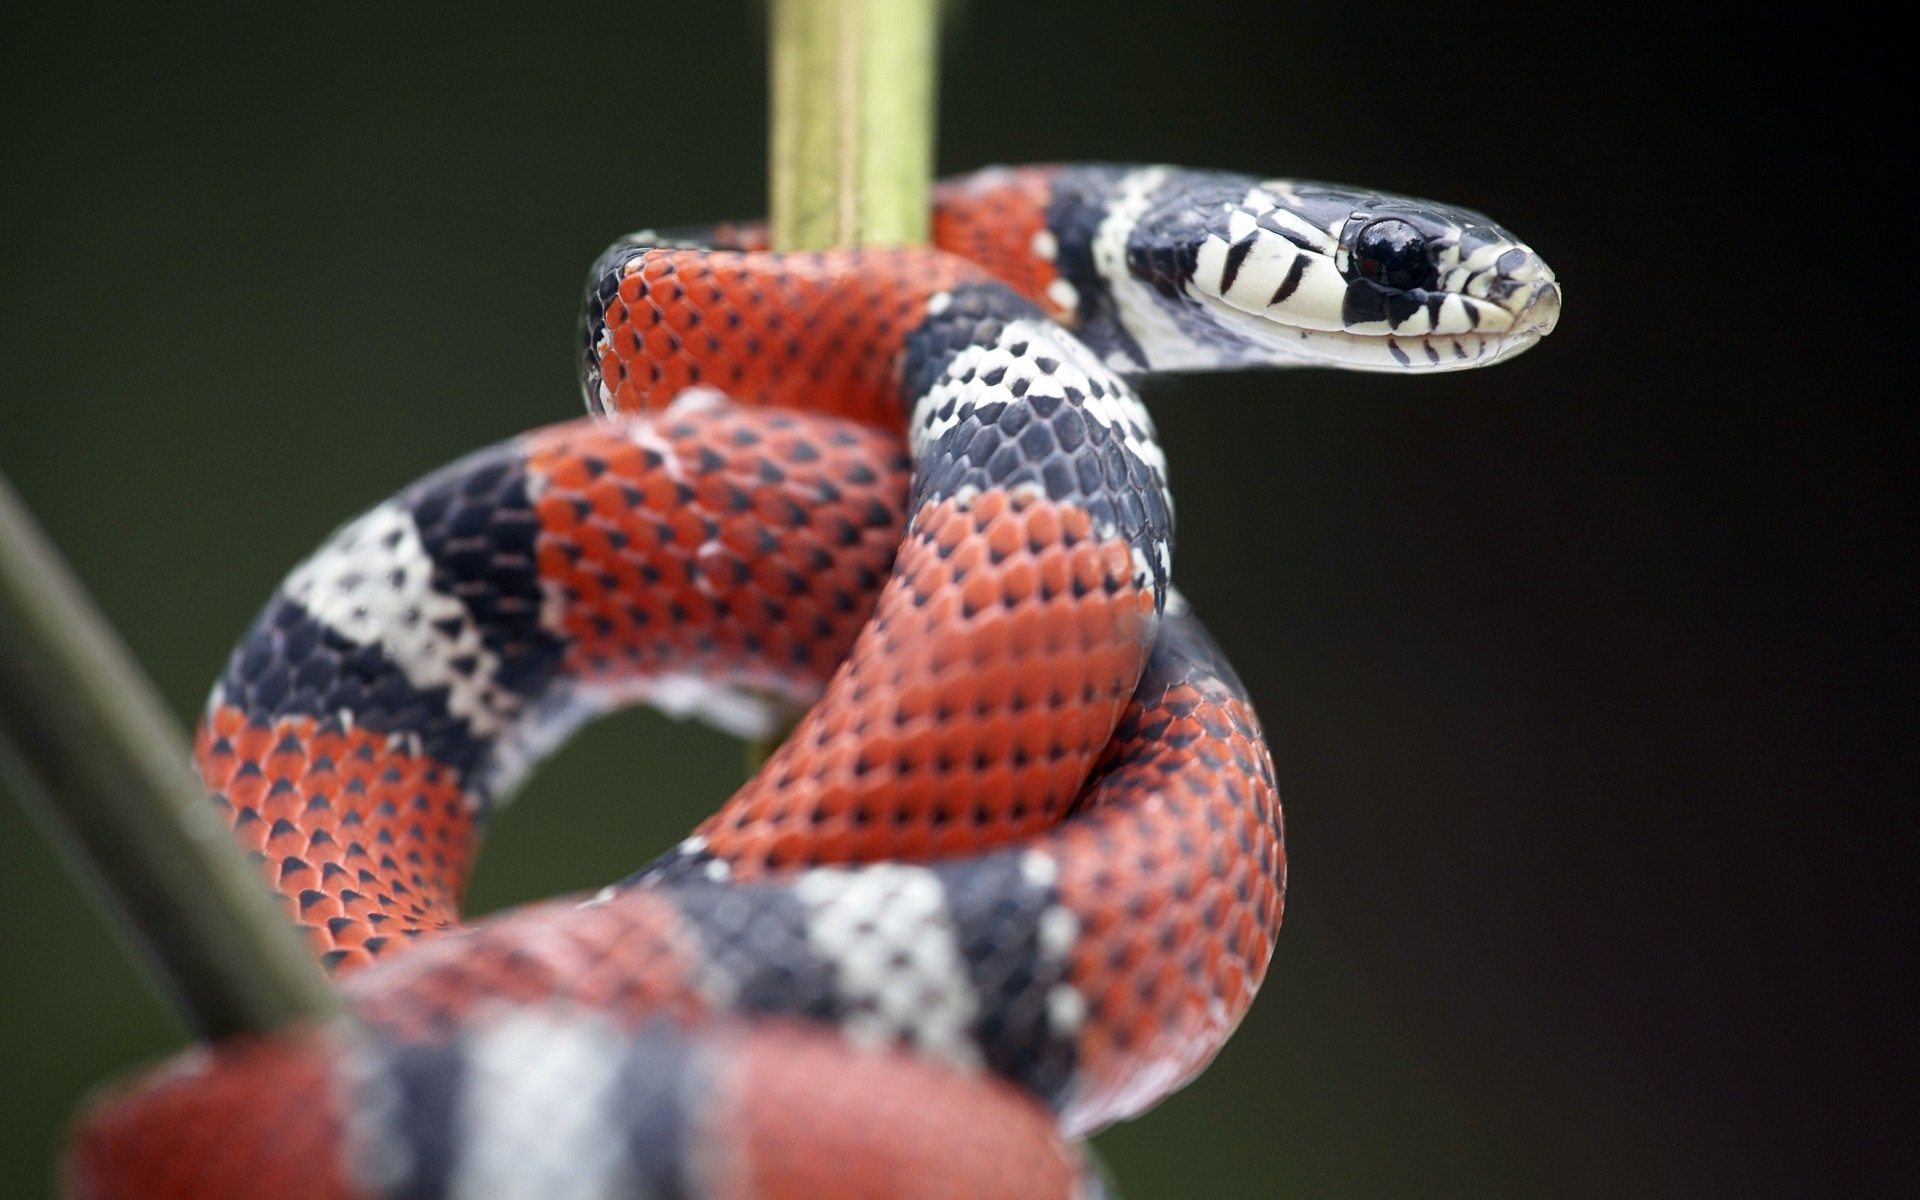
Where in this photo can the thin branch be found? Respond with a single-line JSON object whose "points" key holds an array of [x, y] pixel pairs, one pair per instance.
{"points": [[853, 106], [852, 134], [96, 756]]}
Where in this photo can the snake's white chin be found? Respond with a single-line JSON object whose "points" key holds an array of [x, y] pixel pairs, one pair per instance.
{"points": [[1390, 354], [1267, 341]]}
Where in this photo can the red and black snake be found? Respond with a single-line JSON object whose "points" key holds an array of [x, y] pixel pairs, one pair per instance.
{"points": [[1015, 875]]}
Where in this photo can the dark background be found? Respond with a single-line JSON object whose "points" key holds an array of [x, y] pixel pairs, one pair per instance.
{"points": [[1583, 674]]}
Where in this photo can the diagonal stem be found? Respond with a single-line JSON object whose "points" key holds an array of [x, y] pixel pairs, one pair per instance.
{"points": [[852, 134], [97, 758]]}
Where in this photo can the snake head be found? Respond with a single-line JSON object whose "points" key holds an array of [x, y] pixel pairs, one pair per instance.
{"points": [[1313, 273]]}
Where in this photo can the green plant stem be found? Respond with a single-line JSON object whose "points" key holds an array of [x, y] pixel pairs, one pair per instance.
{"points": [[852, 121], [96, 756], [852, 134]]}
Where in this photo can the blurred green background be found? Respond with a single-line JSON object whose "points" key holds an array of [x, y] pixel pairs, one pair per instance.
{"points": [[1575, 670]]}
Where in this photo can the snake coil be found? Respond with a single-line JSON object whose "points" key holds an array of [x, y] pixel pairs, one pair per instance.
{"points": [[1017, 872]]}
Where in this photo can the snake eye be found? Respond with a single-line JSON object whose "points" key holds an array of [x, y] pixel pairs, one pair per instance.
{"points": [[1392, 253]]}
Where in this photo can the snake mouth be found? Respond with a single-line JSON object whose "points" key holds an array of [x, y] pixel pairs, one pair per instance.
{"points": [[1488, 314], [1381, 348], [1421, 353]]}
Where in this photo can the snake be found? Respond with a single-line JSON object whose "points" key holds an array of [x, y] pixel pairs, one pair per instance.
{"points": [[1018, 869]]}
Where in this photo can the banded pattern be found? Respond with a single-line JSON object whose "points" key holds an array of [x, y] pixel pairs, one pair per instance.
{"points": [[711, 561], [1017, 872], [1096, 968]]}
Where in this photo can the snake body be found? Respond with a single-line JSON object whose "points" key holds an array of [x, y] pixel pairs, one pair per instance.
{"points": [[1017, 872]]}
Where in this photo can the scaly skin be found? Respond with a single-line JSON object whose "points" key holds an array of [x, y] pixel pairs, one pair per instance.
{"points": [[1018, 872]]}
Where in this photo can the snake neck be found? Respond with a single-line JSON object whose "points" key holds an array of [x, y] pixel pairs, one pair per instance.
{"points": [[1104, 249]]}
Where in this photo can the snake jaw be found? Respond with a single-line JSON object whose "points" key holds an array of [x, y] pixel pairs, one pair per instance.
{"points": [[1468, 332]]}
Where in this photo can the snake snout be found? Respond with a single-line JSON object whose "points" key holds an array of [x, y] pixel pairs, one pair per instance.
{"points": [[1541, 312]]}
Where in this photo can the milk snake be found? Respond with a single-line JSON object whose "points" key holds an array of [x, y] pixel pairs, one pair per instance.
{"points": [[1017, 872]]}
